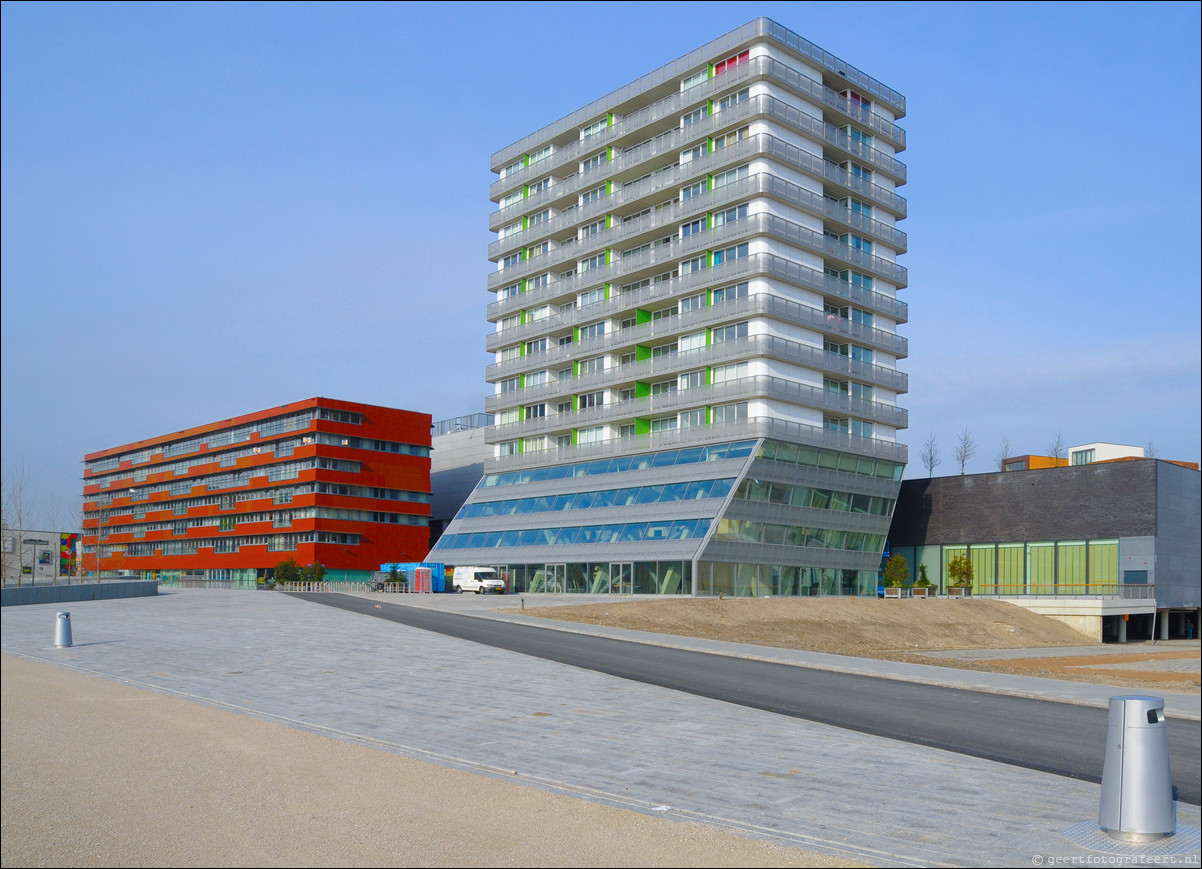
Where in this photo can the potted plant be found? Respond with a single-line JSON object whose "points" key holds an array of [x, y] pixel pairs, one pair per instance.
{"points": [[897, 574], [959, 574], [922, 586]]}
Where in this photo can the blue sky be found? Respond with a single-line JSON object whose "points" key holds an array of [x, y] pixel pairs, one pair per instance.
{"points": [[209, 209]]}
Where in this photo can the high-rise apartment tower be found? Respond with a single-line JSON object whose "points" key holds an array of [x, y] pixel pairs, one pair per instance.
{"points": [[696, 380]]}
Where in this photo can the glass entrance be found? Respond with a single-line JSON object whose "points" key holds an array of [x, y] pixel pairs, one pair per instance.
{"points": [[556, 578], [621, 578]]}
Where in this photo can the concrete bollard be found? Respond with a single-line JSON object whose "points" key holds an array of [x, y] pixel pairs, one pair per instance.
{"points": [[62, 631], [1137, 789]]}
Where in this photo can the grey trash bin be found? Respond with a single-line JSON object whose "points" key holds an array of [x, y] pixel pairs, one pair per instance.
{"points": [[1137, 790], [62, 630]]}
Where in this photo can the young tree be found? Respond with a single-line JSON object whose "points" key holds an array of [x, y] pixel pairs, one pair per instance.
{"points": [[959, 572], [966, 448], [897, 572], [930, 455], [1057, 451], [1003, 453], [287, 571], [1150, 451], [18, 513]]}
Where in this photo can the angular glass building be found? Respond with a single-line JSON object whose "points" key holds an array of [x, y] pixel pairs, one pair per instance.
{"points": [[696, 383]]}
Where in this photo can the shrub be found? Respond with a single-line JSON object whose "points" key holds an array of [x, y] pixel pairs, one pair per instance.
{"points": [[897, 572]]}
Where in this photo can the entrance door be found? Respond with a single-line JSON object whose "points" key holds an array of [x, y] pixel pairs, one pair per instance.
{"points": [[557, 577], [621, 578]]}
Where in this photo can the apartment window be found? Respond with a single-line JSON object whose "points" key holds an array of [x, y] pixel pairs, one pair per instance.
{"points": [[837, 424], [626, 431], [510, 384], [692, 228], [692, 154], [509, 230], [563, 373], [864, 318], [863, 354], [509, 448], [693, 190], [692, 303], [508, 354], [663, 350], [729, 333], [563, 407], [861, 429], [539, 281], [562, 442], [664, 387], [858, 207], [509, 417], [858, 136], [692, 265], [535, 411], [662, 425], [856, 99], [692, 341], [631, 251], [538, 249], [515, 166], [721, 218], [538, 378], [628, 323], [690, 418], [540, 186], [540, 313], [736, 412], [1082, 457], [662, 313], [511, 260], [726, 373], [627, 394], [591, 297], [593, 435], [733, 99], [539, 217], [592, 195], [593, 228], [636, 215], [509, 291], [858, 171], [856, 242], [594, 128], [593, 162], [540, 154], [509, 322], [592, 330], [539, 345], [694, 79], [692, 117], [594, 365], [731, 177], [691, 380], [731, 253], [730, 293], [731, 62], [593, 262], [732, 138]]}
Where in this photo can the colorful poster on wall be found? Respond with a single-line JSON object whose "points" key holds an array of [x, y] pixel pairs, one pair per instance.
{"points": [[66, 554]]}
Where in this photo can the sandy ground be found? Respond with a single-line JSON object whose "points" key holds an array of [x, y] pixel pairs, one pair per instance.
{"points": [[903, 630], [96, 773]]}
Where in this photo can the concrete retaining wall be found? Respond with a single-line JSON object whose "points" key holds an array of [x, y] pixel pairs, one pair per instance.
{"points": [[30, 594]]}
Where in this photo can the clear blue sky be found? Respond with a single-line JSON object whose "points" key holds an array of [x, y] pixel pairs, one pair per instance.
{"points": [[209, 209]]}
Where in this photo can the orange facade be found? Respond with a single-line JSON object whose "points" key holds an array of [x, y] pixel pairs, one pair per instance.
{"points": [[319, 481]]}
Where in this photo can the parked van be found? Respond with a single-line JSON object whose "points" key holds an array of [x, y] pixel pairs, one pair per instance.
{"points": [[481, 580]]}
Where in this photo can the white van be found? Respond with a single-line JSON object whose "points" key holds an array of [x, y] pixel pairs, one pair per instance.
{"points": [[481, 580]]}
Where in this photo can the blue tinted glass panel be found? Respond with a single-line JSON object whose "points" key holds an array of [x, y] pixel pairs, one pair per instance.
{"points": [[609, 533], [657, 530], [559, 472], [740, 450], [674, 492], [721, 488], [529, 537], [525, 505], [492, 539], [624, 463], [649, 495], [600, 467], [582, 500], [476, 539], [632, 532], [568, 535], [664, 460], [589, 534], [625, 497], [510, 538], [605, 499], [539, 474], [692, 454], [561, 502]]}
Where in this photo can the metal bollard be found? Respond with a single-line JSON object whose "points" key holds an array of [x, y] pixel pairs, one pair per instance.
{"points": [[1137, 790], [62, 631]]}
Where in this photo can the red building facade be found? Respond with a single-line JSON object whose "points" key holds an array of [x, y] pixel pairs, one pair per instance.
{"points": [[319, 481]]}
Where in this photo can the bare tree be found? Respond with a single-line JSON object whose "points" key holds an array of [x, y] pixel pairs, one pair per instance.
{"points": [[1151, 452], [930, 455], [1057, 450], [1003, 453], [966, 448], [18, 512]]}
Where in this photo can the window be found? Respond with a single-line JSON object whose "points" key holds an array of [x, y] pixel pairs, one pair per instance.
{"points": [[539, 281], [592, 195], [594, 161], [665, 387], [509, 291], [693, 190], [858, 207], [508, 354], [1082, 457], [593, 262], [590, 435], [692, 303], [592, 330], [593, 228], [538, 249], [730, 293], [731, 253], [661, 425], [726, 373], [540, 313], [858, 136], [734, 137], [691, 418], [692, 228], [733, 99], [538, 378], [594, 128], [692, 265], [736, 412], [563, 407], [509, 448], [856, 242], [509, 322], [510, 384], [692, 341], [628, 394], [692, 117], [540, 154], [694, 79], [663, 350], [693, 153], [509, 417], [691, 380], [511, 260], [721, 218], [730, 177], [540, 186], [539, 217], [663, 313], [591, 297], [539, 345], [856, 99], [631, 251], [515, 166], [535, 411], [507, 231], [592, 366], [729, 333], [731, 62], [858, 171]]}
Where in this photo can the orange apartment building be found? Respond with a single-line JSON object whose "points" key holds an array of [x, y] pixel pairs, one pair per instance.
{"points": [[319, 481]]}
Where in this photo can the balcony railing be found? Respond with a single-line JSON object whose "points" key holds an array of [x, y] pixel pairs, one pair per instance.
{"points": [[1086, 590]]}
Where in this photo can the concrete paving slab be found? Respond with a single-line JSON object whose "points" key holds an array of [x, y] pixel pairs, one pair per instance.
{"points": [[572, 731]]}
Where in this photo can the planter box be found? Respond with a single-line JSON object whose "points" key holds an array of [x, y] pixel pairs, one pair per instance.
{"points": [[893, 591], [959, 592], [923, 591]]}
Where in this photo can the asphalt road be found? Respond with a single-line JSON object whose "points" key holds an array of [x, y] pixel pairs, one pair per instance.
{"points": [[1058, 738]]}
